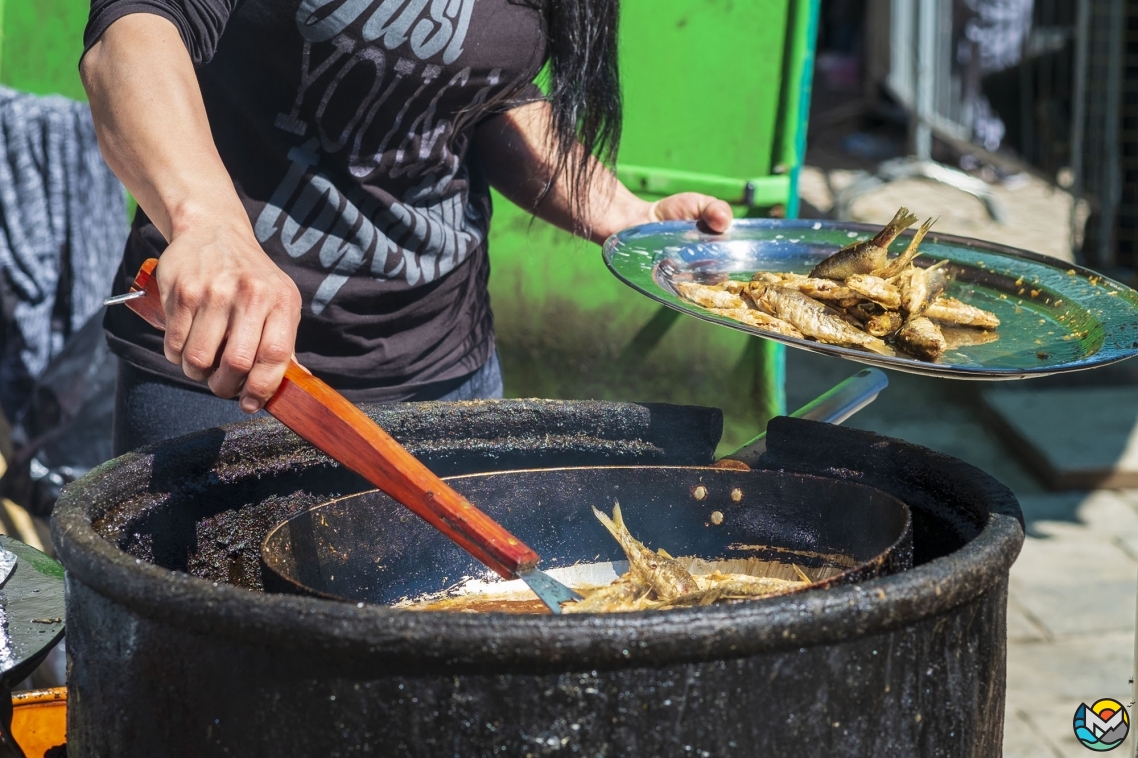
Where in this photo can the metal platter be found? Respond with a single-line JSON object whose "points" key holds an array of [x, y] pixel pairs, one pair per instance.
{"points": [[1055, 316], [31, 612]]}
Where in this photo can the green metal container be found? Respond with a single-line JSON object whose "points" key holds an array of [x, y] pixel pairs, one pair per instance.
{"points": [[40, 45]]}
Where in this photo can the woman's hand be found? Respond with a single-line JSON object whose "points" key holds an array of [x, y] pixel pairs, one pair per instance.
{"points": [[712, 213], [627, 210], [231, 313]]}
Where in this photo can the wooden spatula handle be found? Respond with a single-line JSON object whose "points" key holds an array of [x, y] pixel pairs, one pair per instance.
{"points": [[329, 421]]}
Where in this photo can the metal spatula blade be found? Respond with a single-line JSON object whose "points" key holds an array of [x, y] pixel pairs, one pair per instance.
{"points": [[552, 592]]}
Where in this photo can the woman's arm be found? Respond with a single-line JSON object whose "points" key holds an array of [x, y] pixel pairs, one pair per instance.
{"points": [[518, 161], [231, 314]]}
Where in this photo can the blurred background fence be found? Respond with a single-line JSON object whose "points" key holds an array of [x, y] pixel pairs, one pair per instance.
{"points": [[1044, 86]]}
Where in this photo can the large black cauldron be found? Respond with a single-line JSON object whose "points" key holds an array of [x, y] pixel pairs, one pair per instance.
{"points": [[169, 657]]}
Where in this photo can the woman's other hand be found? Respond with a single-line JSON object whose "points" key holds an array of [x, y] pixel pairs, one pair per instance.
{"points": [[626, 210], [714, 214]]}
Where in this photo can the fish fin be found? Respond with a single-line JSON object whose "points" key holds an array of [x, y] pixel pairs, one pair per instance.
{"points": [[617, 516], [801, 574], [664, 553]]}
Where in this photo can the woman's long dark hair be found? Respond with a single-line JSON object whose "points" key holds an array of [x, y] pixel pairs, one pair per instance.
{"points": [[583, 89], [582, 81]]}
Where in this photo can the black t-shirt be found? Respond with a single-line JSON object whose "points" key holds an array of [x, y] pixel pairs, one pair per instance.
{"points": [[345, 125]]}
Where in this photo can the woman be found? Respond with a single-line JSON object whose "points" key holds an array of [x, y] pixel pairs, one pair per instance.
{"points": [[315, 176]]}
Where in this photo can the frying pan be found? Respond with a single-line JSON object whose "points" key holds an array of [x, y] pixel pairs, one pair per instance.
{"points": [[365, 548]]}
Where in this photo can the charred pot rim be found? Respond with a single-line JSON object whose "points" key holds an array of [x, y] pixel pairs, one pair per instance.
{"points": [[460, 641], [455, 438]]}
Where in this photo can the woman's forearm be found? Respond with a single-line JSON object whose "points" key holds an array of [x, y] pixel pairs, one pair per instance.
{"points": [[151, 122], [519, 161], [231, 313]]}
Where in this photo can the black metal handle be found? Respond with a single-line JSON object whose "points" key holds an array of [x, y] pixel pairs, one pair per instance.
{"points": [[834, 407]]}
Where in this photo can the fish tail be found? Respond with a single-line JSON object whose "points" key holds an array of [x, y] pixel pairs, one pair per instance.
{"points": [[613, 528], [902, 221], [898, 264], [924, 228], [919, 237]]}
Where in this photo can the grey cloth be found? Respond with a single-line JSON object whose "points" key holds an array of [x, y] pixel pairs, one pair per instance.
{"points": [[63, 227], [150, 408], [999, 29]]}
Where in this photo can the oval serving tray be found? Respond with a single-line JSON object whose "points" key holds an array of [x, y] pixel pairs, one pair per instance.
{"points": [[1055, 316]]}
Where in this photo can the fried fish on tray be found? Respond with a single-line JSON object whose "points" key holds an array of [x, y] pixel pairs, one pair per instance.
{"points": [[864, 257], [876, 290], [812, 318], [758, 319], [819, 289], [857, 297], [951, 311], [920, 287], [709, 296], [884, 324], [922, 338]]}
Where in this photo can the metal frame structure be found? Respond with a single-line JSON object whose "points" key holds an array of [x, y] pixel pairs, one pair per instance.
{"points": [[1096, 122], [921, 80]]}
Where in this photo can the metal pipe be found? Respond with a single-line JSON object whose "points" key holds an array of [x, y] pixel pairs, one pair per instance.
{"points": [[1079, 117], [1112, 181], [925, 84], [1134, 690], [833, 407]]}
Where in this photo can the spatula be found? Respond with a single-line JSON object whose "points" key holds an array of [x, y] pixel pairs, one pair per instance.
{"points": [[329, 421]]}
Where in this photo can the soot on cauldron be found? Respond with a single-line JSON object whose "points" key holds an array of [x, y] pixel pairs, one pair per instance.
{"points": [[169, 662]]}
